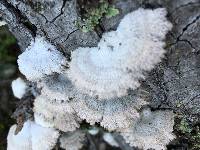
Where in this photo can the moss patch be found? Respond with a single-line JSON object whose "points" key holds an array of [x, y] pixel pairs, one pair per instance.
{"points": [[93, 15], [187, 133]]}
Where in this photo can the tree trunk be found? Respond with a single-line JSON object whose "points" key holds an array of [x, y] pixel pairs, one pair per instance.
{"points": [[173, 84]]}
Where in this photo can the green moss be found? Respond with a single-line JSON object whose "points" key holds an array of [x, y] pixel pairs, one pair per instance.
{"points": [[196, 139], [188, 132], [93, 16], [36, 6], [184, 127], [111, 12], [1, 128]]}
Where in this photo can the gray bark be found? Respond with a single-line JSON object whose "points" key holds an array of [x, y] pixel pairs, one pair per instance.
{"points": [[173, 84]]}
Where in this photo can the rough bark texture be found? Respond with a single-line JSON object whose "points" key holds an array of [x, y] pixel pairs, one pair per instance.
{"points": [[173, 84]]}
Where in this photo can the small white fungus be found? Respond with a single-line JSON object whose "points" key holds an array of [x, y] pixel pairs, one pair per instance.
{"points": [[93, 131], [110, 140], [32, 137], [19, 87], [72, 140], [152, 131], [53, 113], [40, 59], [2, 23]]}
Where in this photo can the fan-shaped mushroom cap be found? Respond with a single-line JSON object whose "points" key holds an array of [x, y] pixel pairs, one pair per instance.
{"points": [[111, 113], [54, 113], [32, 137], [21, 141], [40, 59], [153, 130], [72, 140], [57, 87], [122, 56]]}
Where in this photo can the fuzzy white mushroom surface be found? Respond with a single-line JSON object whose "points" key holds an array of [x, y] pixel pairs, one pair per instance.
{"points": [[32, 137], [152, 131], [112, 114], [40, 59], [116, 113], [122, 56], [19, 87], [2, 23], [53, 113], [72, 140], [93, 131], [110, 139]]}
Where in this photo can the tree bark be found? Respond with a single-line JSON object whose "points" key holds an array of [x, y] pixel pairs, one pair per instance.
{"points": [[173, 84]]}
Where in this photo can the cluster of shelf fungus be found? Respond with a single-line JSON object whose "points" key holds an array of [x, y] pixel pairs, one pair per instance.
{"points": [[94, 87]]}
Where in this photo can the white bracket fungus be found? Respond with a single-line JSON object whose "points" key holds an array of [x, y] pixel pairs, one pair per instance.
{"points": [[153, 130], [112, 114], [122, 56], [52, 113], [19, 87], [95, 88], [72, 140], [32, 137], [40, 59]]}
